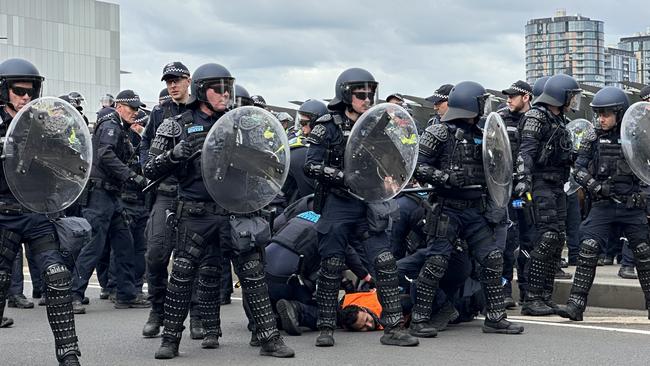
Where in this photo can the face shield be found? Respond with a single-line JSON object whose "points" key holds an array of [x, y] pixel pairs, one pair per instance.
{"points": [[106, 101], [484, 105], [222, 86], [574, 101], [367, 91]]}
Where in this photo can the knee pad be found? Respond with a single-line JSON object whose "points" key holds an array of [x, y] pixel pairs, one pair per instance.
{"points": [[642, 254], [434, 268], [5, 280], [210, 276], [249, 264], [331, 267], [385, 262], [589, 248], [548, 244], [58, 277], [492, 265], [183, 269]]}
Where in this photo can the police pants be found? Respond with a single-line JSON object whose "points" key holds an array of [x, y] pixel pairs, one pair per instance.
{"points": [[138, 216], [35, 273], [105, 214]]}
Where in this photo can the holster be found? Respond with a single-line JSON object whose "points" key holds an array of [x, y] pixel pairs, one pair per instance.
{"points": [[84, 198], [432, 220], [320, 193], [248, 233], [381, 214]]}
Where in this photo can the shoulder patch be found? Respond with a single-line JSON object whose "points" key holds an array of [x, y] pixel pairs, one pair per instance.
{"points": [[317, 134], [324, 119], [111, 132], [439, 131], [535, 113], [170, 128]]}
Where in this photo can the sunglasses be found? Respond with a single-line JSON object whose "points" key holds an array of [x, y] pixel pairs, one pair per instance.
{"points": [[364, 95], [22, 91], [221, 88]]}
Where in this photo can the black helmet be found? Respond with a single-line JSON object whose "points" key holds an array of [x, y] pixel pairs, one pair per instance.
{"points": [[243, 98], [164, 96], [348, 80], [107, 101], [66, 97], [16, 70], [77, 100], [611, 98], [313, 109], [561, 91], [538, 87], [466, 100], [645, 93], [210, 74]]}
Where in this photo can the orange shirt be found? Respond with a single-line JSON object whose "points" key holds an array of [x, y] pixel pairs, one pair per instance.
{"points": [[368, 300]]}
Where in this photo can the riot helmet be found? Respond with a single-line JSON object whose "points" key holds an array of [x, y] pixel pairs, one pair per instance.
{"points": [[259, 101], [78, 100], [311, 110], [610, 99], [347, 82], [538, 87], [561, 91], [468, 99], [107, 101], [212, 76], [644, 94], [243, 98], [16, 70]]}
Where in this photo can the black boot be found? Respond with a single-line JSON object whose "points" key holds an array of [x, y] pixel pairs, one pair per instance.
{"points": [[153, 324], [254, 342], [325, 338], [570, 311], [423, 329], [289, 317], [540, 271], [502, 326], [210, 341], [535, 306], [19, 301], [627, 272], [70, 360], [196, 329], [444, 316], [168, 348], [398, 336], [6, 322], [275, 347]]}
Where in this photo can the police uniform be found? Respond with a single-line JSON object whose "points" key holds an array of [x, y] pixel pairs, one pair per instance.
{"points": [[544, 160], [105, 211], [18, 225]]}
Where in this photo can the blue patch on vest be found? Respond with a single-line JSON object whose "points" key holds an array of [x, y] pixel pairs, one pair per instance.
{"points": [[478, 141], [310, 216], [195, 129]]}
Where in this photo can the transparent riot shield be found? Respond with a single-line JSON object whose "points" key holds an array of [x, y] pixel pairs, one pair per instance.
{"points": [[497, 160], [381, 153], [245, 159], [47, 155]]}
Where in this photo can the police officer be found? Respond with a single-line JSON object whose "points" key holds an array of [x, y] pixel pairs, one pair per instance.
{"points": [[450, 159], [203, 226], [297, 184], [259, 101], [159, 244], [440, 99], [20, 81], [617, 199], [164, 96], [104, 211], [538, 87], [78, 101], [519, 96], [344, 219], [543, 167]]}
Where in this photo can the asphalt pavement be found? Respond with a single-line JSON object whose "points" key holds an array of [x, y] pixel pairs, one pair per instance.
{"points": [[113, 337]]}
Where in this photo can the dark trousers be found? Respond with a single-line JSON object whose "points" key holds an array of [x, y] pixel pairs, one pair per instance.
{"points": [[138, 216], [35, 272], [105, 214], [573, 220], [301, 295]]}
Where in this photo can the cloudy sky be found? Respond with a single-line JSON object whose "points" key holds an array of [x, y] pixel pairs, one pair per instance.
{"points": [[287, 50]]}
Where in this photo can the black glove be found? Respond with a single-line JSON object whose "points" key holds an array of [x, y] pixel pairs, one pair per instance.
{"points": [[522, 187], [595, 188], [456, 178], [182, 151], [139, 180]]}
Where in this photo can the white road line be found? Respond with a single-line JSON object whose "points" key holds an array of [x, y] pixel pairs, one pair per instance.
{"points": [[579, 326]]}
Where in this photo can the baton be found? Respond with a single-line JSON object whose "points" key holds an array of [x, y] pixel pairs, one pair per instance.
{"points": [[166, 175]]}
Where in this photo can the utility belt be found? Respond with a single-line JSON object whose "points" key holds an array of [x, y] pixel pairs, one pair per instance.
{"points": [[199, 208], [166, 189], [11, 208], [103, 184], [635, 200], [464, 204]]}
